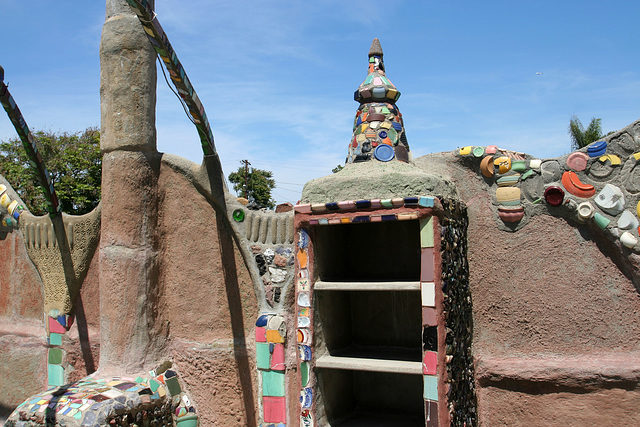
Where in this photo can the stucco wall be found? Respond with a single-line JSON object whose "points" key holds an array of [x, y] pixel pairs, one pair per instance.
{"points": [[206, 304], [555, 317], [210, 315], [22, 342]]}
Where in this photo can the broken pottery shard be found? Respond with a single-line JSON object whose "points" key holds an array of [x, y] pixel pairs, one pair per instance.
{"points": [[628, 239], [627, 221], [508, 196], [585, 210], [573, 185], [303, 299], [601, 220], [486, 166], [277, 274], [577, 161], [610, 199], [535, 164]]}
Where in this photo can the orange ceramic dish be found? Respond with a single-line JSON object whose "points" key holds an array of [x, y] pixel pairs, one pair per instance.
{"points": [[572, 184], [486, 166]]}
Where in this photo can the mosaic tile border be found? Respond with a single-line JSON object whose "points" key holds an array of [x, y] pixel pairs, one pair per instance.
{"points": [[368, 204], [330, 214], [304, 324], [156, 399], [270, 334]]}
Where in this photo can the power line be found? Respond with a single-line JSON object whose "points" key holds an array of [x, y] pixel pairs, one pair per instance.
{"points": [[304, 166], [286, 199], [286, 189], [289, 183]]}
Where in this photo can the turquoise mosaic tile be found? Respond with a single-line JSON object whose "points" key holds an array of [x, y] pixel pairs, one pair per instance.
{"points": [[273, 383], [430, 387]]}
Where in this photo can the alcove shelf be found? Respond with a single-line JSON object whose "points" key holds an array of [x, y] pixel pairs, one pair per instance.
{"points": [[368, 323]]}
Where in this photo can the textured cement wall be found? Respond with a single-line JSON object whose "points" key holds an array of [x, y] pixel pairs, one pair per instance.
{"points": [[206, 316], [208, 304], [555, 317], [23, 344], [21, 291]]}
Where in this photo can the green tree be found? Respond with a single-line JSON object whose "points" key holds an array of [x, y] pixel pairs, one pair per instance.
{"points": [[581, 137], [74, 162], [337, 169], [259, 184]]}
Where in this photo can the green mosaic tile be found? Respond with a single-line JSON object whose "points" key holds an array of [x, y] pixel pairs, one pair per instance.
{"points": [[304, 373], [173, 385], [393, 135], [56, 375], [55, 339], [426, 232], [273, 383], [263, 357], [55, 356]]}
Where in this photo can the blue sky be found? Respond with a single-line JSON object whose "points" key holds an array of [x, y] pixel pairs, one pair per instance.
{"points": [[277, 77]]}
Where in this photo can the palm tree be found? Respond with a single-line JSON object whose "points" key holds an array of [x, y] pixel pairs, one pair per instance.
{"points": [[581, 137]]}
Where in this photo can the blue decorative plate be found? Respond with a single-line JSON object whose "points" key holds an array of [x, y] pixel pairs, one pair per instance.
{"points": [[384, 153]]}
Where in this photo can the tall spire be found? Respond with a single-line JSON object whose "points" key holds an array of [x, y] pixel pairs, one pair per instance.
{"points": [[378, 131]]}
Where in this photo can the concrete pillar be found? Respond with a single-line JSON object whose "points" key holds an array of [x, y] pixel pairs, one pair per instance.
{"points": [[130, 339], [127, 82]]}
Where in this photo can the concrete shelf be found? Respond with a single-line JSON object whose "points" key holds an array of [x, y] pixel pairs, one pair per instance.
{"points": [[366, 286], [369, 365], [380, 352]]}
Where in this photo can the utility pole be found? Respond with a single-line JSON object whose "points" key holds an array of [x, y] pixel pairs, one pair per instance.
{"points": [[246, 178]]}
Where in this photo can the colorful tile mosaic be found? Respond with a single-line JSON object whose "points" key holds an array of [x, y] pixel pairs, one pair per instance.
{"points": [[305, 318], [270, 359], [57, 324], [350, 205], [365, 211], [154, 400], [269, 242], [595, 185], [378, 130], [13, 208]]}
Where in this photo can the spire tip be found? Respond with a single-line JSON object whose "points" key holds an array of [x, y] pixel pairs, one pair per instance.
{"points": [[376, 49]]}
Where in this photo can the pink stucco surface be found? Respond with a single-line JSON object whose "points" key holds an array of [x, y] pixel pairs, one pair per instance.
{"points": [[208, 303], [22, 338], [556, 338]]}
